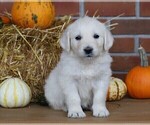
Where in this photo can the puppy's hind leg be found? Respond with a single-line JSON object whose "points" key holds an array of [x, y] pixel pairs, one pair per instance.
{"points": [[53, 94]]}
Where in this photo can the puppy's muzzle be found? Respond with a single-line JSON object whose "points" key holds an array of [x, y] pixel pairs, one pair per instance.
{"points": [[88, 51]]}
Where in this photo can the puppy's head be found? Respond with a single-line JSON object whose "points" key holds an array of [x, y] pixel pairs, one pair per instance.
{"points": [[86, 37]]}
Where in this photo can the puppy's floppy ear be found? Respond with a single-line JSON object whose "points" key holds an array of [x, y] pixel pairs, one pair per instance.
{"points": [[108, 40], [65, 40]]}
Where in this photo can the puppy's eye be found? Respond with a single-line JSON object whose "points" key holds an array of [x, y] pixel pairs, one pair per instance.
{"points": [[96, 36], [78, 37]]}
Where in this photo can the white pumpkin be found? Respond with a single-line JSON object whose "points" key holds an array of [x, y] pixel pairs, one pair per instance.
{"points": [[14, 93], [117, 89]]}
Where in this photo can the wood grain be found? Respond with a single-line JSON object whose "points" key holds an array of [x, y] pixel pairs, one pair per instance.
{"points": [[124, 111]]}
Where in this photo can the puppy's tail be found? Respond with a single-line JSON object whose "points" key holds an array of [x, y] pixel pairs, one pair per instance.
{"points": [[42, 100]]}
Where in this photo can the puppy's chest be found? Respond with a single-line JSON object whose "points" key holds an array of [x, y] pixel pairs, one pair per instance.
{"points": [[85, 79], [86, 72]]}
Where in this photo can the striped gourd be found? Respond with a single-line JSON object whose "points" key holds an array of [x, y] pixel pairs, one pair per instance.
{"points": [[117, 89], [14, 93]]}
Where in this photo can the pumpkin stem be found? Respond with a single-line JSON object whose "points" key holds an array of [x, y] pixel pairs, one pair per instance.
{"points": [[143, 56]]}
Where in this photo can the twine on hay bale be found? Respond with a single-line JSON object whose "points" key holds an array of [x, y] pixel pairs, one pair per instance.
{"points": [[30, 54]]}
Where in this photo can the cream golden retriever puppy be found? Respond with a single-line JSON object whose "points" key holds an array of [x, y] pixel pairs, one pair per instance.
{"points": [[81, 78]]}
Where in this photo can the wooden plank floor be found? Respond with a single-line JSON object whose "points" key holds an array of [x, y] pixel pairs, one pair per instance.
{"points": [[124, 111]]}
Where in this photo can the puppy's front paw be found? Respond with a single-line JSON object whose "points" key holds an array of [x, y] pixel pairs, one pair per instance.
{"points": [[101, 113], [75, 114]]}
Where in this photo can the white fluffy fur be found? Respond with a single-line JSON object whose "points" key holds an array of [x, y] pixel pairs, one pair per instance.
{"points": [[79, 81]]}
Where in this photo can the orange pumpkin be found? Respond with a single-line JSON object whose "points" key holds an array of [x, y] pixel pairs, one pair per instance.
{"points": [[37, 14], [138, 78]]}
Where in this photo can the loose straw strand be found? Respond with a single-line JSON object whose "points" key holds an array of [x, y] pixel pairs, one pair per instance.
{"points": [[114, 18]]}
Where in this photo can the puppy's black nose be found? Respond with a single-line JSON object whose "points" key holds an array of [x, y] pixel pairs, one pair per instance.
{"points": [[88, 50]]}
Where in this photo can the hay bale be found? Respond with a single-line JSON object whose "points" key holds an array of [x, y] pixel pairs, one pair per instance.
{"points": [[30, 54]]}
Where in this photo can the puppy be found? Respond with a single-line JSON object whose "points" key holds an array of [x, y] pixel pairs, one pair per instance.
{"points": [[81, 78]]}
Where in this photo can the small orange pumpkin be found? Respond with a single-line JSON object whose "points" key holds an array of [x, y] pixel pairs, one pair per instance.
{"points": [[27, 14], [138, 78], [5, 19]]}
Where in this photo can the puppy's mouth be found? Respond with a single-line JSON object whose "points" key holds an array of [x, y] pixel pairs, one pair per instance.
{"points": [[89, 55]]}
